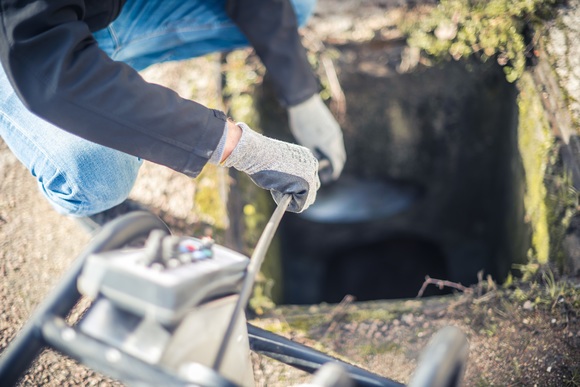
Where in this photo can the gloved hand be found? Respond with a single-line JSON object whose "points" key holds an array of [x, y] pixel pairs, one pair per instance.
{"points": [[280, 167], [314, 126]]}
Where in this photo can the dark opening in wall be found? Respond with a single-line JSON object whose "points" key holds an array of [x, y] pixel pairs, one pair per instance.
{"points": [[445, 138], [391, 268]]}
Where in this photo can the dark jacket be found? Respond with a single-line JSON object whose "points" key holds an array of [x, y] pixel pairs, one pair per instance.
{"points": [[54, 64]]}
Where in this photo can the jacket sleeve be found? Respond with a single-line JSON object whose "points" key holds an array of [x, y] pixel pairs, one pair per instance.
{"points": [[60, 74], [271, 28]]}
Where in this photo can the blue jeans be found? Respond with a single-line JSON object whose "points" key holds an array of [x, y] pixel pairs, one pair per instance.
{"points": [[82, 178]]}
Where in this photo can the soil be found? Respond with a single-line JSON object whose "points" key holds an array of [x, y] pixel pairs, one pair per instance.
{"points": [[518, 341], [517, 338], [510, 343], [524, 335]]}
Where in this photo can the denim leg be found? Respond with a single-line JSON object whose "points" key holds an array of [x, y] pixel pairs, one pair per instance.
{"points": [[78, 177], [148, 32]]}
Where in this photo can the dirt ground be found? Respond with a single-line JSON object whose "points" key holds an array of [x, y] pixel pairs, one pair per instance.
{"points": [[524, 337], [521, 336]]}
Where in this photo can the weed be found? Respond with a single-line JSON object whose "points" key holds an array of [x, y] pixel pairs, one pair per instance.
{"points": [[552, 287], [574, 380]]}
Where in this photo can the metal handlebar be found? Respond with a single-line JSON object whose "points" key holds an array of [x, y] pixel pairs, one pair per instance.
{"points": [[443, 362], [252, 271], [25, 347]]}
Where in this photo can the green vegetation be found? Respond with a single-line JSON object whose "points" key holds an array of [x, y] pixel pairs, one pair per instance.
{"points": [[210, 206], [545, 292], [535, 143], [550, 199], [482, 28], [380, 348], [375, 314]]}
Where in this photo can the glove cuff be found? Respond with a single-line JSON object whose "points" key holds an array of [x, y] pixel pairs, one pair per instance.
{"points": [[306, 104], [238, 158]]}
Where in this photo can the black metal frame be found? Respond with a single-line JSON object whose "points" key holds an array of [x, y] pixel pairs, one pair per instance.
{"points": [[48, 328], [307, 359]]}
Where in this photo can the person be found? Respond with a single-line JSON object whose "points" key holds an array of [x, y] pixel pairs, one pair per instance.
{"points": [[76, 112]]}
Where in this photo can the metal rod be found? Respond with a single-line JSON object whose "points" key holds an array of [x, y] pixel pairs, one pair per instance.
{"points": [[251, 273], [121, 365]]}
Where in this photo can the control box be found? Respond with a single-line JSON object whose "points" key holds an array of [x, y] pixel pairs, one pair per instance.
{"points": [[166, 278]]}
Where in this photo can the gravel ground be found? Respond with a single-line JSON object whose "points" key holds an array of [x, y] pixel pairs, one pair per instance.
{"points": [[514, 341], [510, 343]]}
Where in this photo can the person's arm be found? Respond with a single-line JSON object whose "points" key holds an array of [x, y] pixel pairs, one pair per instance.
{"points": [[272, 30], [60, 74]]}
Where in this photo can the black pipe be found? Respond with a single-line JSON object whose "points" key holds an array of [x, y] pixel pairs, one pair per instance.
{"points": [[308, 359]]}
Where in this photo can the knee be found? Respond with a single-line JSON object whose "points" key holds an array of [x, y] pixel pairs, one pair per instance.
{"points": [[303, 10], [94, 183]]}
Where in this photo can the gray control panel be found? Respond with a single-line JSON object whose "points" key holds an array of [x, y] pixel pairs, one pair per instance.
{"points": [[166, 278]]}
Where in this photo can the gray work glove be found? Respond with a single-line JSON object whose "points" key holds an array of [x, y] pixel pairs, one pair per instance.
{"points": [[314, 126], [280, 167]]}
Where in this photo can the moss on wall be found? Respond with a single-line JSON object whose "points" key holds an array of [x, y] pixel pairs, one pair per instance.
{"points": [[550, 198], [535, 142], [209, 199], [486, 29]]}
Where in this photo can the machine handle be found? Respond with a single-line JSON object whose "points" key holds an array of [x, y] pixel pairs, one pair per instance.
{"points": [[252, 271]]}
